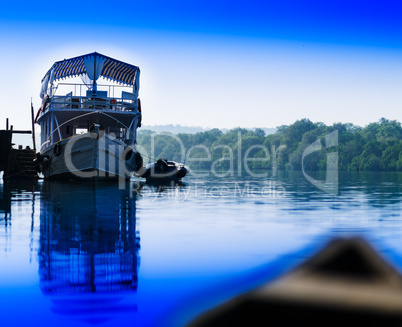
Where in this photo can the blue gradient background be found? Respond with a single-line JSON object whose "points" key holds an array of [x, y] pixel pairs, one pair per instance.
{"points": [[224, 64]]}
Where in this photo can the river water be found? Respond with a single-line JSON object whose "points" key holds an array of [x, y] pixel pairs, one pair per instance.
{"points": [[91, 253]]}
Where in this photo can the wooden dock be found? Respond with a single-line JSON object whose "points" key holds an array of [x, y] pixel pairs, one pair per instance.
{"points": [[16, 163]]}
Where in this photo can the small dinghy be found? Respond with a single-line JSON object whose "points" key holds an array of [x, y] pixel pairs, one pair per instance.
{"points": [[163, 170]]}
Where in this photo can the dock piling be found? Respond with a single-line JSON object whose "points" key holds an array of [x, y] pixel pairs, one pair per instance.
{"points": [[15, 163]]}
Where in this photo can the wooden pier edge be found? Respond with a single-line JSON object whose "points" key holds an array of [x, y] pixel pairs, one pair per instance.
{"points": [[16, 163]]}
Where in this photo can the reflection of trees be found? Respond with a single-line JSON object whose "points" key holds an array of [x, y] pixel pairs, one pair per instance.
{"points": [[378, 189], [88, 245]]}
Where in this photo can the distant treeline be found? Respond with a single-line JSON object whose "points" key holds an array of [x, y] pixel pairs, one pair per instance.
{"points": [[376, 147], [177, 129]]}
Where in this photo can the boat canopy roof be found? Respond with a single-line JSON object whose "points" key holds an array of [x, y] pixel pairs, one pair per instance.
{"points": [[94, 65]]}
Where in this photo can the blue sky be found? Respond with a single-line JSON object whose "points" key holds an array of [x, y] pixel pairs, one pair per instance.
{"points": [[218, 64]]}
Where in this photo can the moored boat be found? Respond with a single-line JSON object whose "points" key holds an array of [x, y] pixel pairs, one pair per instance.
{"points": [[89, 130], [163, 170]]}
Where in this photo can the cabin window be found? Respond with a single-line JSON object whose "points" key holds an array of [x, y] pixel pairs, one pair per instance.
{"points": [[81, 131], [68, 130]]}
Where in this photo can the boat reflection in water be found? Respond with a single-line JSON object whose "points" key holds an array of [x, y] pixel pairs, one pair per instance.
{"points": [[88, 257]]}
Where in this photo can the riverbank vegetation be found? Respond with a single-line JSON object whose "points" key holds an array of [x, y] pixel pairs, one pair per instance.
{"points": [[304, 144]]}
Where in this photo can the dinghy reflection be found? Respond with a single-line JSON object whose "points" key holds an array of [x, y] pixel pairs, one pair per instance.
{"points": [[88, 257]]}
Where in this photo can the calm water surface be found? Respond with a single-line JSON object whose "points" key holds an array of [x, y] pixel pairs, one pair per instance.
{"points": [[82, 254]]}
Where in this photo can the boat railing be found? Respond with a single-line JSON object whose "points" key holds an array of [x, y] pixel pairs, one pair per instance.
{"points": [[94, 103], [83, 98]]}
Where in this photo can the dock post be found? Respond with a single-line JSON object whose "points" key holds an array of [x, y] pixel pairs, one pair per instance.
{"points": [[15, 163]]}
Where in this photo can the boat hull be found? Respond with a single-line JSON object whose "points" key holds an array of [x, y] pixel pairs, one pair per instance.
{"points": [[89, 156]]}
